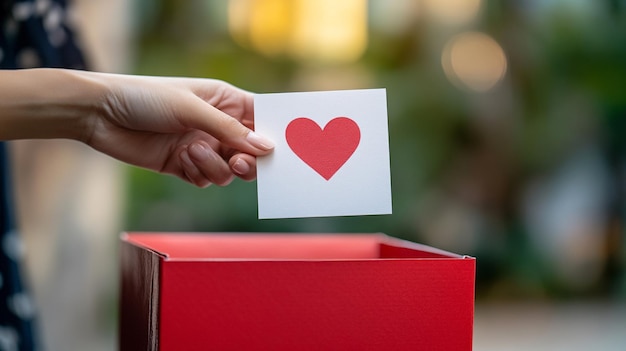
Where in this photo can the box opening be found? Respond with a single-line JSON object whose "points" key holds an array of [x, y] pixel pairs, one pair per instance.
{"points": [[278, 246]]}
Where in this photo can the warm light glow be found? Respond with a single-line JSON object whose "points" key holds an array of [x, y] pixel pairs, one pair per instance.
{"points": [[308, 30], [474, 60], [330, 30], [270, 25], [452, 11]]}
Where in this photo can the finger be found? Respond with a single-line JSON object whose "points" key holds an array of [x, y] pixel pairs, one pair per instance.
{"points": [[244, 166], [209, 163], [228, 98], [203, 116], [192, 173]]}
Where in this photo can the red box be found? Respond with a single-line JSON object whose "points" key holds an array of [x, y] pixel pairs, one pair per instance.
{"points": [[292, 292]]}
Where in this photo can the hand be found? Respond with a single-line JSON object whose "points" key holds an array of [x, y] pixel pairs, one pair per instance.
{"points": [[197, 129]]}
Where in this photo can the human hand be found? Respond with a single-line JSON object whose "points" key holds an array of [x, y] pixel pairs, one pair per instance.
{"points": [[197, 129]]}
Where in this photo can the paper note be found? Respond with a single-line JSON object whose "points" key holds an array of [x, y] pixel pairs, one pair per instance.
{"points": [[331, 156]]}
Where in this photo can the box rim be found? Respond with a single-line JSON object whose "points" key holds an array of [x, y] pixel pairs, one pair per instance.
{"points": [[384, 239]]}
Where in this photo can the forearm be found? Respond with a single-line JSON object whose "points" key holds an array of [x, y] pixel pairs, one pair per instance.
{"points": [[48, 103]]}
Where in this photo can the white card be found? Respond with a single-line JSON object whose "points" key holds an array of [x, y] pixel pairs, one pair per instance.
{"points": [[331, 156]]}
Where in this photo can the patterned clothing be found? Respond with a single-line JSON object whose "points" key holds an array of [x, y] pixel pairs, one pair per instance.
{"points": [[33, 33], [16, 307], [36, 33]]}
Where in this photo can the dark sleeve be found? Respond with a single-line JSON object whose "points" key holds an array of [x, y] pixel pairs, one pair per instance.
{"points": [[38, 33]]}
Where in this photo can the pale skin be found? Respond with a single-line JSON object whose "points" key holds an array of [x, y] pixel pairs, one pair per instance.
{"points": [[200, 130]]}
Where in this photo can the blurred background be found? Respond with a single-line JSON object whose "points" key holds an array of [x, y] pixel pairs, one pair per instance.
{"points": [[507, 124]]}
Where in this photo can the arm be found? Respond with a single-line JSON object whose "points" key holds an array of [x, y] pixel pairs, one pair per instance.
{"points": [[47, 104], [197, 129]]}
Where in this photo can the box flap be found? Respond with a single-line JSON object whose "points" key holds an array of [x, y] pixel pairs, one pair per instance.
{"points": [[139, 302]]}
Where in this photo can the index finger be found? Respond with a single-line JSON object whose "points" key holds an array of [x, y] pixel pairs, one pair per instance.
{"points": [[224, 127]]}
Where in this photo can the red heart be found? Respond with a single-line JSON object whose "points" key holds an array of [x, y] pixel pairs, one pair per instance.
{"points": [[325, 150]]}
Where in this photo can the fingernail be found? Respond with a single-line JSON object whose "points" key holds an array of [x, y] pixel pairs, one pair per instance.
{"points": [[198, 152], [260, 141], [241, 167]]}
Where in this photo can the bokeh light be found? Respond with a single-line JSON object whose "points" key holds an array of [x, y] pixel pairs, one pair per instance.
{"points": [[330, 30], [305, 30], [474, 60], [263, 24]]}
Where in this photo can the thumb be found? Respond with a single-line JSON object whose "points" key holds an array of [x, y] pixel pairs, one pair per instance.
{"points": [[227, 129]]}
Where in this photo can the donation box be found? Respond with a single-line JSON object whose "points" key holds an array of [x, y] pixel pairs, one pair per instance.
{"points": [[257, 291]]}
